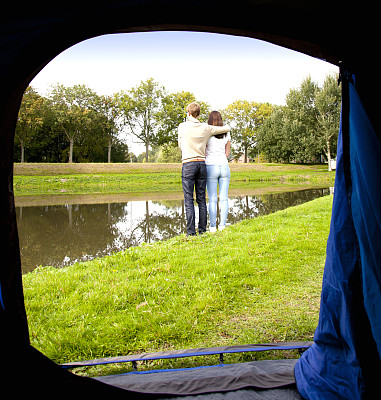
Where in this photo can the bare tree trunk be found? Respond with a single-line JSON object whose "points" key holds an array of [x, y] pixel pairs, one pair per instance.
{"points": [[147, 148], [109, 151], [22, 150], [71, 150], [329, 156]]}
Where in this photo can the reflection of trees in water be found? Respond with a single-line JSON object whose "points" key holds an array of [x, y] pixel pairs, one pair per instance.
{"points": [[280, 201], [246, 207], [60, 235], [56, 235], [243, 207], [156, 225]]}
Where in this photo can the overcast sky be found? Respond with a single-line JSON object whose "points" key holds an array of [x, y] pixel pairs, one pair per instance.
{"points": [[217, 68]]}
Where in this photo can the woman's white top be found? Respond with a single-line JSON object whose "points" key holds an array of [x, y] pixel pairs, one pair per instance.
{"points": [[215, 150]]}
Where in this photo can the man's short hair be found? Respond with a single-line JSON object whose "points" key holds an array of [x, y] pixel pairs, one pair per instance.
{"points": [[194, 109]]}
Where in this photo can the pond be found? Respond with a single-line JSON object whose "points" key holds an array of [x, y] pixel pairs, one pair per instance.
{"points": [[59, 235]]}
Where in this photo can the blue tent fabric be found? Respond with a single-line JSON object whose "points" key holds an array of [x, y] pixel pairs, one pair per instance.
{"points": [[342, 362], [366, 202]]}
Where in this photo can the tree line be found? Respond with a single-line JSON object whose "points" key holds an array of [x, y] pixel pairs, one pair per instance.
{"points": [[306, 128], [75, 124]]}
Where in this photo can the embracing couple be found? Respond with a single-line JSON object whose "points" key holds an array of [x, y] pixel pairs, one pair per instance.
{"points": [[204, 148]]}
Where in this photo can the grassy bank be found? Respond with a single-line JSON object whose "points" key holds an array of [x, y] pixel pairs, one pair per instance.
{"points": [[37, 179], [257, 281]]}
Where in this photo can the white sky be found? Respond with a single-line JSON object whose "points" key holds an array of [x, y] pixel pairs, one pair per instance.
{"points": [[217, 68]]}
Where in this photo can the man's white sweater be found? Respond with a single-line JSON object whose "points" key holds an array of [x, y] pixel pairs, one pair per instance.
{"points": [[193, 136]]}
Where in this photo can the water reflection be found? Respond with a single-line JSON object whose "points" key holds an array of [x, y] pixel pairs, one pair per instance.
{"points": [[59, 235]]}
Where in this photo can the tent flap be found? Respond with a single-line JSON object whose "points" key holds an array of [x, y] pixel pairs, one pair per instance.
{"points": [[344, 360]]}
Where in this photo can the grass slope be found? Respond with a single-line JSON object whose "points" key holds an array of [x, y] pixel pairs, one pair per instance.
{"points": [[256, 281]]}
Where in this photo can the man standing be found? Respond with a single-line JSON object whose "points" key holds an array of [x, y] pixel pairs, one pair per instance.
{"points": [[192, 138]]}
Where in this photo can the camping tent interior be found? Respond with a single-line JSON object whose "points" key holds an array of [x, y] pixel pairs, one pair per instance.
{"points": [[344, 361]]}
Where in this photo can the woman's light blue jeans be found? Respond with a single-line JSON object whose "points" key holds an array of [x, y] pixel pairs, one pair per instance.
{"points": [[218, 174]]}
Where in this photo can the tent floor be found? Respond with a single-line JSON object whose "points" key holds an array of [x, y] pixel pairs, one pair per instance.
{"points": [[258, 380]]}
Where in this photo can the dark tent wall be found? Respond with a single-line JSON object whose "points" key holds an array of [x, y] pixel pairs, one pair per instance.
{"points": [[31, 34]]}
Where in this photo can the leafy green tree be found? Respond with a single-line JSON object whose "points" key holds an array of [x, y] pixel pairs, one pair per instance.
{"points": [[301, 119], [139, 107], [30, 118], [273, 138], [169, 153], [74, 111], [108, 120], [307, 126], [246, 117], [173, 112], [313, 116], [48, 145], [328, 104]]}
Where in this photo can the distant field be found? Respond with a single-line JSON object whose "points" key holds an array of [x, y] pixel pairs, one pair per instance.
{"points": [[91, 168], [123, 168], [66, 179]]}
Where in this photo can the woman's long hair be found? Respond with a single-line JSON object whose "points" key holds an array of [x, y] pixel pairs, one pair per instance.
{"points": [[215, 119]]}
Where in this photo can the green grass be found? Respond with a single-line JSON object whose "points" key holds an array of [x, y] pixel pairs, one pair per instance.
{"points": [[45, 179], [256, 281], [104, 183]]}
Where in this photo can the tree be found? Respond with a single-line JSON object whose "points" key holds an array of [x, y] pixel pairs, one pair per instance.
{"points": [[301, 117], [273, 137], [74, 111], [169, 153], [30, 118], [307, 126], [139, 107], [247, 117], [108, 120], [173, 112], [328, 102]]}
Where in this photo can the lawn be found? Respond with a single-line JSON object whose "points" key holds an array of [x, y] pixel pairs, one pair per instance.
{"points": [[257, 281]]}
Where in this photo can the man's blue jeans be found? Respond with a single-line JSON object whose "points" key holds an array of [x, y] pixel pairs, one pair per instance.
{"points": [[194, 178]]}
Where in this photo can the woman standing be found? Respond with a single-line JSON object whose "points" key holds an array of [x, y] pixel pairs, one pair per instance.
{"points": [[218, 172]]}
